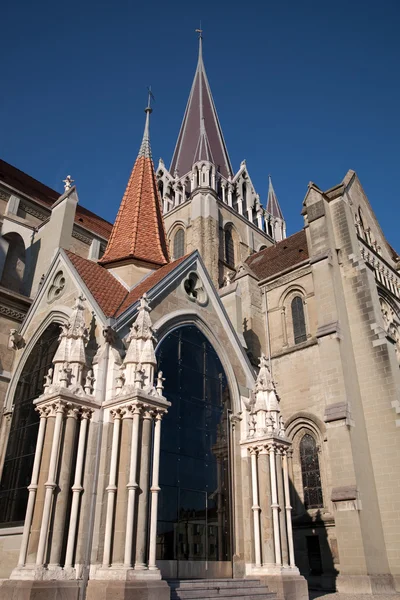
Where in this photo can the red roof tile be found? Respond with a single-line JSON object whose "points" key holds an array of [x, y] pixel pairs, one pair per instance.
{"points": [[107, 291], [283, 255], [112, 297], [138, 230], [46, 196]]}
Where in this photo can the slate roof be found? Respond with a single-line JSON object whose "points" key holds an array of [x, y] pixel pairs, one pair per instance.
{"points": [[112, 297], [272, 202], [47, 197], [138, 231], [200, 136], [288, 253]]}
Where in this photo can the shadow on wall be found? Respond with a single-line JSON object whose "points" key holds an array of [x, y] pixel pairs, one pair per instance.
{"points": [[316, 553], [253, 343]]}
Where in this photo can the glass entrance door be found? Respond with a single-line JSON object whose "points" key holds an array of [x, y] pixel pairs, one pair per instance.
{"points": [[194, 523]]}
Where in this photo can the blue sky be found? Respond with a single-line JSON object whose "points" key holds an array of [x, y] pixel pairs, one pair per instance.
{"points": [[304, 91]]}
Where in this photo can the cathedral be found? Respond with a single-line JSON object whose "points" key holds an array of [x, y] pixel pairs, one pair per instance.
{"points": [[192, 403]]}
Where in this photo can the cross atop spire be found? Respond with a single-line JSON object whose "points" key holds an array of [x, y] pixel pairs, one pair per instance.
{"points": [[138, 232], [200, 136], [272, 203]]}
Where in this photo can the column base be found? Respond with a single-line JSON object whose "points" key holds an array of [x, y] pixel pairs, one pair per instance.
{"points": [[32, 590], [128, 590], [365, 584], [51, 573], [121, 573], [287, 585]]}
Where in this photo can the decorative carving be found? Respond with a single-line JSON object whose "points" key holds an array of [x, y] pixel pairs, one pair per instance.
{"points": [[83, 238], [89, 381], [57, 287], [264, 406], [14, 314], [392, 324], [4, 195], [15, 340], [32, 211], [68, 181], [194, 289]]}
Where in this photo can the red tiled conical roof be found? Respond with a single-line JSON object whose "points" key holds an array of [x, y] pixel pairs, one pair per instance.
{"points": [[138, 231]]}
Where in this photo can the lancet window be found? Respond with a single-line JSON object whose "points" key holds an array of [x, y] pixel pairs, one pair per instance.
{"points": [[310, 472], [299, 321], [179, 243], [229, 247], [21, 445]]}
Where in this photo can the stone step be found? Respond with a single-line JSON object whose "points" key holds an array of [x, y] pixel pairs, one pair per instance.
{"points": [[212, 583], [221, 589], [213, 592]]}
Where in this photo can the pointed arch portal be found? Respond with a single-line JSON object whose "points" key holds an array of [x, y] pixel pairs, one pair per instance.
{"points": [[194, 516]]}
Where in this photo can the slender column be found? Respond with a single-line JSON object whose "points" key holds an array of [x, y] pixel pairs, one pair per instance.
{"points": [[64, 483], [220, 510], [50, 483], [121, 505], [223, 189], [112, 487], [267, 533], [282, 512], [288, 509], [77, 488], [289, 454], [132, 486], [255, 508], [33, 486], [274, 505], [141, 537], [230, 195], [155, 488]]}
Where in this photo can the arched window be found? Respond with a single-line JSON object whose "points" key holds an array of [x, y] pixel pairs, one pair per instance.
{"points": [[244, 195], [194, 509], [21, 444], [161, 188], [179, 243], [14, 265], [299, 322], [229, 247], [310, 472]]}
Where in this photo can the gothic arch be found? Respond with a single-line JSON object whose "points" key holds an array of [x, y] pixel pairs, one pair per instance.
{"points": [[231, 244], [286, 309], [297, 427], [183, 317], [58, 315]]}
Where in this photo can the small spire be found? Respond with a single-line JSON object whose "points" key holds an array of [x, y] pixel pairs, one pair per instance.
{"points": [[272, 203], [68, 181], [145, 148]]}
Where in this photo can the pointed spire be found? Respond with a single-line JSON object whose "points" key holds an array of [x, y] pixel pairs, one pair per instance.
{"points": [[272, 204], [138, 231], [200, 136]]}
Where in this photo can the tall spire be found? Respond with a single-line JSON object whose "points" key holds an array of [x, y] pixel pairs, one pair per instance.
{"points": [[272, 204], [138, 231], [200, 136]]}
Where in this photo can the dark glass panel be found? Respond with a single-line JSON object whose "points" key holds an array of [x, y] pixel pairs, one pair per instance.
{"points": [[310, 473], [21, 444], [299, 323], [198, 470]]}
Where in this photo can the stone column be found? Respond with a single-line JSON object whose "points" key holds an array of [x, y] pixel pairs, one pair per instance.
{"points": [[275, 505], [33, 486], [155, 488], [141, 534], [77, 488], [64, 481], [288, 508], [50, 485], [112, 487], [267, 535], [230, 195], [122, 495], [132, 485], [255, 508], [282, 512]]}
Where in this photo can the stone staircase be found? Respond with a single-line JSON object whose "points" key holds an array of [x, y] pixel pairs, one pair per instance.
{"points": [[219, 589]]}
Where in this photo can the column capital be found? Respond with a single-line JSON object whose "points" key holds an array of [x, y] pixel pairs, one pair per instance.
{"points": [[72, 411], [86, 412]]}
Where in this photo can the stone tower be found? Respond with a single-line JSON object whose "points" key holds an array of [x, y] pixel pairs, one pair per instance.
{"points": [[206, 206]]}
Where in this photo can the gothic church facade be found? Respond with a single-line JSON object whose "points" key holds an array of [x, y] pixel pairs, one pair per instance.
{"points": [[189, 394]]}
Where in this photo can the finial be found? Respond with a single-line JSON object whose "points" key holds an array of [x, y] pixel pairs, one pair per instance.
{"points": [[68, 181], [150, 97], [199, 31]]}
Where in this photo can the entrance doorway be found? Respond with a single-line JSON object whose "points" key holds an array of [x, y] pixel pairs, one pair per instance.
{"points": [[194, 516]]}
